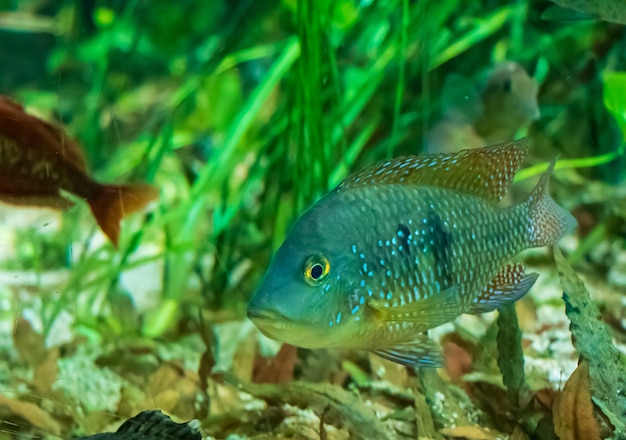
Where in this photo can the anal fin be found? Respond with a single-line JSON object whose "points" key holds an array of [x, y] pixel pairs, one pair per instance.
{"points": [[509, 285], [419, 352]]}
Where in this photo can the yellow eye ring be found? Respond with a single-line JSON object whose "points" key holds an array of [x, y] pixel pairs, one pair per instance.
{"points": [[316, 268]]}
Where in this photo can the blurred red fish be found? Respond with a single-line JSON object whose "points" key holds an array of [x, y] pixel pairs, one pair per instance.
{"points": [[37, 160]]}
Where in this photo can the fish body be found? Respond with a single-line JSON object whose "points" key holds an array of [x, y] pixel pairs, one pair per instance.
{"points": [[37, 161], [402, 247], [613, 11]]}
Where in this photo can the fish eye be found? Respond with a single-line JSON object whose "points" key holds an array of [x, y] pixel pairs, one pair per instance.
{"points": [[316, 268]]}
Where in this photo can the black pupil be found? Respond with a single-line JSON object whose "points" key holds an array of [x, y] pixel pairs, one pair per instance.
{"points": [[316, 271]]}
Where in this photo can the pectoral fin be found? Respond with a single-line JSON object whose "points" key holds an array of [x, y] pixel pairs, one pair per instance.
{"points": [[430, 312], [509, 285], [420, 352]]}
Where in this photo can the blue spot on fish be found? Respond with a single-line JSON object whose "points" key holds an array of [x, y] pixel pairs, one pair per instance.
{"points": [[354, 248], [354, 309]]}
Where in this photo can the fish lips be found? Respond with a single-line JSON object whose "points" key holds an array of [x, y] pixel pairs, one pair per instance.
{"points": [[266, 319], [259, 313]]}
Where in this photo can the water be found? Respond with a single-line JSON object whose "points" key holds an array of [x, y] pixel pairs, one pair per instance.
{"points": [[242, 114]]}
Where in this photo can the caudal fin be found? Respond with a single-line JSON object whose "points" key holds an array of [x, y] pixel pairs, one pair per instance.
{"points": [[548, 221], [111, 203]]}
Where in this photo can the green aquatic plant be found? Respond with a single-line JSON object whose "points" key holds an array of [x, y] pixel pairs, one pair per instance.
{"points": [[593, 341]]}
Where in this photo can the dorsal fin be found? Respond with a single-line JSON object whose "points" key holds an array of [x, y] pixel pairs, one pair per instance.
{"points": [[30, 132], [484, 172]]}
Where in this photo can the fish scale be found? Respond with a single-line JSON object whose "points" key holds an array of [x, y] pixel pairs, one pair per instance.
{"points": [[402, 247], [441, 252]]}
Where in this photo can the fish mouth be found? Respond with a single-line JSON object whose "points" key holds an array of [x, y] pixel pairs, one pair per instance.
{"points": [[267, 320], [277, 326]]}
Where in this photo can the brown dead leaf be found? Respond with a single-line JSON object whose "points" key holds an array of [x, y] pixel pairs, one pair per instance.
{"points": [[278, 369], [243, 360], [30, 344], [32, 414], [388, 371], [174, 390], [458, 361], [573, 408], [472, 433], [45, 373]]}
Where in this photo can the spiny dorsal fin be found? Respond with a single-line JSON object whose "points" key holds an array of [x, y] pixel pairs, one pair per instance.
{"points": [[484, 172]]}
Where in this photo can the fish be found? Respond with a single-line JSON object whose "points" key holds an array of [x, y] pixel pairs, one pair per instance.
{"points": [[509, 99], [38, 161], [405, 246], [478, 116], [613, 11], [151, 425]]}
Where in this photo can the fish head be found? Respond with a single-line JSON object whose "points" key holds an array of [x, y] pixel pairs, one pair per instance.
{"points": [[511, 93], [304, 298]]}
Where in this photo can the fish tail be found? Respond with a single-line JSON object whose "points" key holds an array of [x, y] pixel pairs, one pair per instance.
{"points": [[111, 203], [548, 221]]}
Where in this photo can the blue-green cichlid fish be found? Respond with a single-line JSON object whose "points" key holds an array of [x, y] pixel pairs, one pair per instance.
{"points": [[405, 246]]}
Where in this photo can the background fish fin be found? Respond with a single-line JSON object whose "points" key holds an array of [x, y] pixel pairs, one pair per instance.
{"points": [[430, 312], [22, 191], [509, 285], [42, 201], [420, 352], [548, 221], [111, 203], [559, 13], [484, 172]]}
